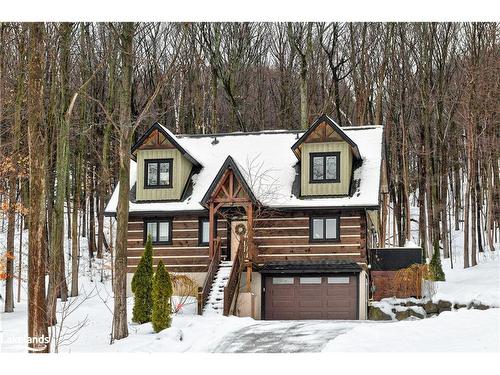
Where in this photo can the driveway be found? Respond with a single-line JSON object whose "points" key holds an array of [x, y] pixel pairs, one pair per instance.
{"points": [[283, 336]]}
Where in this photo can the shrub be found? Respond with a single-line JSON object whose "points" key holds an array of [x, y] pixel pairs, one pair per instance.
{"points": [[408, 281], [184, 287], [162, 292], [435, 269], [142, 286]]}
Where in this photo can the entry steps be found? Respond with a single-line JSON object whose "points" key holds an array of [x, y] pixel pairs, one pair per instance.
{"points": [[215, 301]]}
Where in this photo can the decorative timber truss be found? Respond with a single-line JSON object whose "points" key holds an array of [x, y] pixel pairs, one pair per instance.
{"points": [[230, 189]]}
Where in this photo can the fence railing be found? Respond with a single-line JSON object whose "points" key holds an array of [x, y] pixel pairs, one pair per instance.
{"points": [[204, 291], [231, 289]]}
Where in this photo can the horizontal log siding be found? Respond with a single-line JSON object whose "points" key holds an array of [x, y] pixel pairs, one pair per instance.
{"points": [[183, 254], [285, 237]]}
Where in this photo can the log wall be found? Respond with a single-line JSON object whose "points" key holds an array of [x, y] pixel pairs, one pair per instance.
{"points": [[284, 236], [184, 254], [279, 236]]}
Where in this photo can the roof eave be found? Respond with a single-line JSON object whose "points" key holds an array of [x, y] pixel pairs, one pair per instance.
{"points": [[159, 127], [228, 163], [338, 130]]}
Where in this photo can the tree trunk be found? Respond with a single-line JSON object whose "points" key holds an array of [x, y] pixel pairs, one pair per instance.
{"points": [[91, 237], [466, 228], [11, 227], [37, 318], [120, 328], [444, 211], [75, 239], [57, 274]]}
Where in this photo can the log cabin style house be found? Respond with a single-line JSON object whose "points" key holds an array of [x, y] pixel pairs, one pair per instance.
{"points": [[271, 224]]}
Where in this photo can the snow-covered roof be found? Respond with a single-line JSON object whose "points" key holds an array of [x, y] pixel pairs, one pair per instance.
{"points": [[336, 128], [176, 141], [269, 167]]}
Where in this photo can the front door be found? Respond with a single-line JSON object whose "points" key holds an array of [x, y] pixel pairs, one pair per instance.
{"points": [[236, 230]]}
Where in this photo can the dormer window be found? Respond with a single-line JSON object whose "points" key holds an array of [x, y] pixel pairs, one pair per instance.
{"points": [[325, 167], [158, 173]]}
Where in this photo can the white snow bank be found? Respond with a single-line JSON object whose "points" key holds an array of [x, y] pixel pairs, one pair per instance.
{"points": [[456, 331], [480, 283], [386, 305]]}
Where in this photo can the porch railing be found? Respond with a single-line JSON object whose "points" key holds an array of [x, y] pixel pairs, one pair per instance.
{"points": [[232, 287], [204, 291]]}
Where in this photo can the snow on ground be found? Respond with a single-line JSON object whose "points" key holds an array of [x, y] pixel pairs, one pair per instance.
{"points": [[463, 330], [475, 284], [189, 332], [454, 331]]}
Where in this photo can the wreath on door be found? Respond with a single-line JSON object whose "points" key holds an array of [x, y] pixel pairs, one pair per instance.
{"points": [[240, 229]]}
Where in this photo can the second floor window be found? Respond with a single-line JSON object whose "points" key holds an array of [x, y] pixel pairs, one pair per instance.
{"points": [[325, 167], [158, 173]]}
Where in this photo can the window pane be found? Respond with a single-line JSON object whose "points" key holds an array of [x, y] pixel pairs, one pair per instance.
{"points": [[151, 230], [164, 231], [338, 280], [164, 173], [331, 167], [318, 229], [282, 280], [331, 228], [205, 227], [310, 280], [152, 174], [318, 168]]}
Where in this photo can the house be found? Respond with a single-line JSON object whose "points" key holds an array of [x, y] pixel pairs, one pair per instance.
{"points": [[271, 224]]}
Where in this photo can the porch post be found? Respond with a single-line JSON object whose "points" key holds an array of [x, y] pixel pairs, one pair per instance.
{"points": [[211, 214], [251, 247], [251, 252]]}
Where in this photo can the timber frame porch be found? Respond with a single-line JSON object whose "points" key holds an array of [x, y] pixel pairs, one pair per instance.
{"points": [[229, 190]]}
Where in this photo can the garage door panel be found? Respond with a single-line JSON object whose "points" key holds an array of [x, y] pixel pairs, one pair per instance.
{"points": [[342, 293], [310, 302], [340, 305], [283, 304], [314, 297], [281, 292], [309, 292]]}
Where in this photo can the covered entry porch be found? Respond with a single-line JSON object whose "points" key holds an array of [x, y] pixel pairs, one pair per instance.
{"points": [[229, 198]]}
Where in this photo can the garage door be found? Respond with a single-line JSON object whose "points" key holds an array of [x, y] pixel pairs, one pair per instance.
{"points": [[310, 297]]}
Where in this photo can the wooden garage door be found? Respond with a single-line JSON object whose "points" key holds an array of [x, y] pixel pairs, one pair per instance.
{"points": [[310, 297]]}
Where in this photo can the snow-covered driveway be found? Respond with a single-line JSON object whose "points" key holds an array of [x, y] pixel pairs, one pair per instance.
{"points": [[283, 336]]}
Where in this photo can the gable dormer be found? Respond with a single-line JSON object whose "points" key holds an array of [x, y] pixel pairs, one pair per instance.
{"points": [[163, 165], [326, 157]]}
